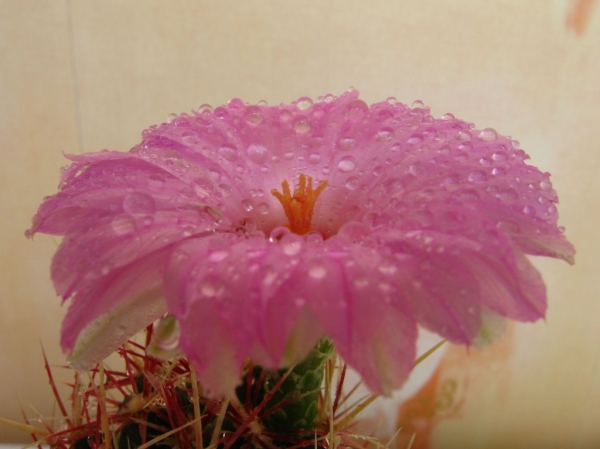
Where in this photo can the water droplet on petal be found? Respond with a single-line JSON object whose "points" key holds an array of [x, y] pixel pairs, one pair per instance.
{"points": [[388, 267], [352, 182], [463, 136], [347, 164], [291, 244], [172, 116], [247, 205], [346, 143], [156, 182], [393, 186], [361, 282], [354, 231], [278, 233], [314, 238], [210, 289], [448, 116], [499, 171], [304, 103], [508, 195], [477, 176], [545, 184], [218, 256], [263, 208], [385, 134], [302, 125], [356, 109], [508, 226], [418, 104], [529, 210], [139, 204], [257, 153], [166, 333], [314, 158], [317, 271], [415, 139], [488, 135], [499, 156], [253, 115], [228, 153]]}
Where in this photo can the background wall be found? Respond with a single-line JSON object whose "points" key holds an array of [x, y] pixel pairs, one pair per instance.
{"points": [[81, 76]]}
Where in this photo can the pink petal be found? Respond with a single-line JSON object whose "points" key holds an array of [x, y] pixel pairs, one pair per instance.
{"points": [[110, 310]]}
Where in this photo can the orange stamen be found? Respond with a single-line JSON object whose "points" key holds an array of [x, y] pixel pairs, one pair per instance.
{"points": [[299, 208]]}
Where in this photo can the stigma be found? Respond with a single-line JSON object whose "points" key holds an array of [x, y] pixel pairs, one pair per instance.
{"points": [[299, 208]]}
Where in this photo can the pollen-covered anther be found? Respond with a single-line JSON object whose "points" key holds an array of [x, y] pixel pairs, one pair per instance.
{"points": [[299, 207]]}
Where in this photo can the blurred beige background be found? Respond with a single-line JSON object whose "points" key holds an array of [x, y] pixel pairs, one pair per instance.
{"points": [[82, 76]]}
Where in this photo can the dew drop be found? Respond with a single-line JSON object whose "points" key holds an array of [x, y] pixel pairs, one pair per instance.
{"points": [[346, 143], [415, 139], [225, 189], [304, 103], [463, 136], [253, 115], [508, 195], [148, 221], [166, 333], [352, 183], [384, 286], [499, 156], [228, 153], [209, 289], [529, 210], [418, 104], [247, 205], [123, 224], [314, 158], [508, 226], [278, 233], [387, 267], [361, 282], [448, 116], [317, 271], [291, 244], [356, 109], [170, 117], [416, 169], [545, 184], [314, 238], [384, 134], [393, 186], [156, 182], [139, 204], [257, 153], [289, 156], [218, 256], [488, 135], [263, 208], [499, 171], [302, 125], [346, 164], [477, 176]]}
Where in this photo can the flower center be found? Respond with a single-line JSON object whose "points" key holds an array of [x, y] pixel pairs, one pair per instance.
{"points": [[299, 208]]}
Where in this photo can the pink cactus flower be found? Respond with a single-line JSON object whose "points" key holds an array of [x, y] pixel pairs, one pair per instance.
{"points": [[261, 229]]}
